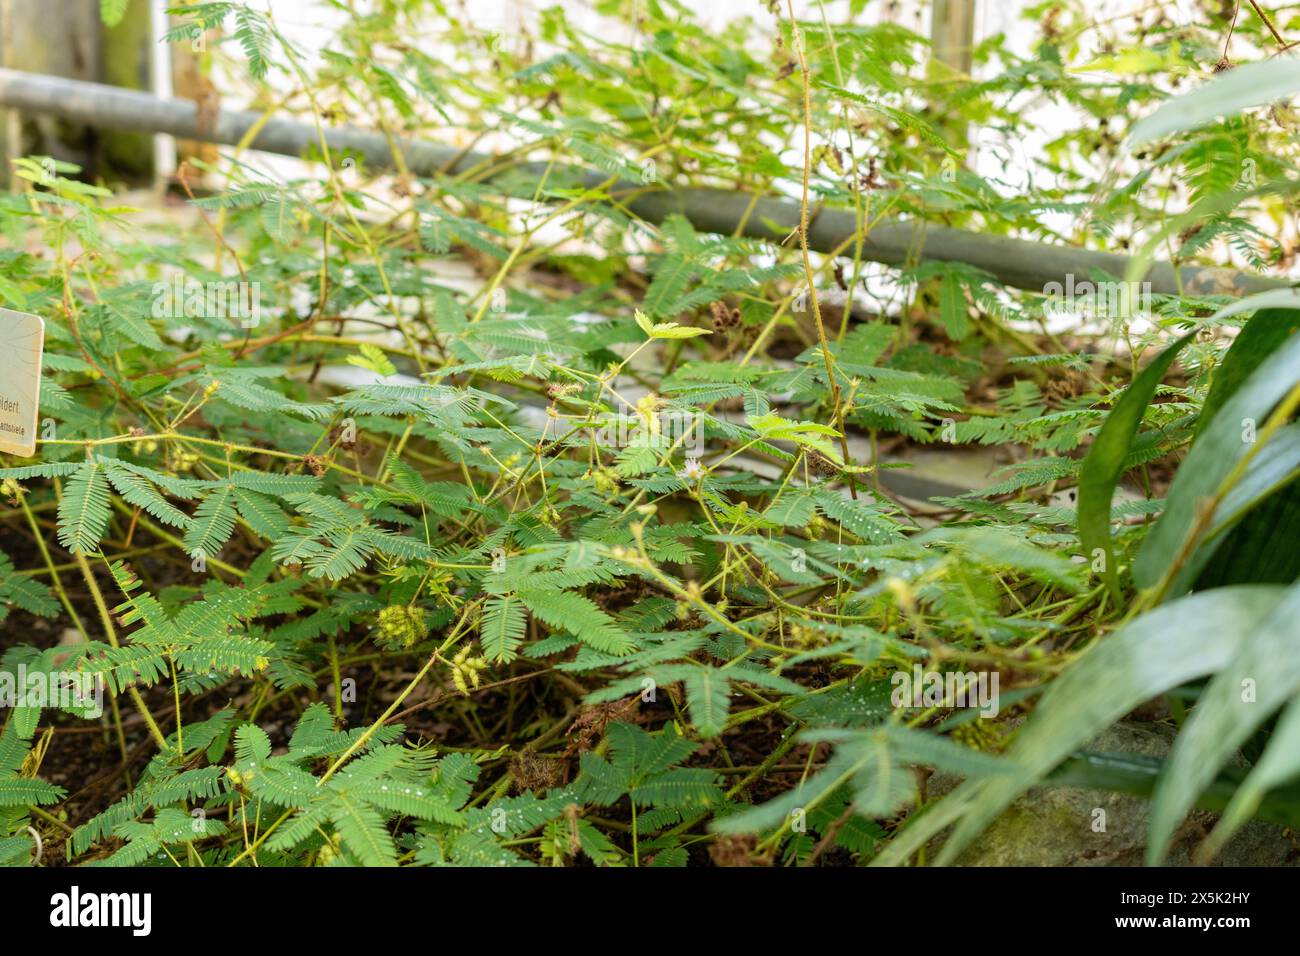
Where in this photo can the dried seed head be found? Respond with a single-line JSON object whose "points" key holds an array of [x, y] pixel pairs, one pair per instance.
{"points": [[315, 464]]}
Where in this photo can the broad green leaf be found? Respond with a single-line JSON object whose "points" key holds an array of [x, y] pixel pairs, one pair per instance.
{"points": [[1275, 466], [1280, 764], [1105, 462], [1227, 94], [1248, 552], [1212, 458], [1138, 774], [1260, 678], [1258, 339]]}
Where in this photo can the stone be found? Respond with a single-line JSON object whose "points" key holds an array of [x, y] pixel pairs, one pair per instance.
{"points": [[1056, 826]]}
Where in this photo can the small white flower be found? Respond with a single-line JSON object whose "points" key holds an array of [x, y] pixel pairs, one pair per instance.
{"points": [[693, 470]]}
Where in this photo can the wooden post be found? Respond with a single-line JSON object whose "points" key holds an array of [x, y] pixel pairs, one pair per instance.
{"points": [[67, 38], [952, 34], [190, 63], [952, 39], [60, 37], [128, 51]]}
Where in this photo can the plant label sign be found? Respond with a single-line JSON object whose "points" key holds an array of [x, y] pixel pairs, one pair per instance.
{"points": [[22, 337]]}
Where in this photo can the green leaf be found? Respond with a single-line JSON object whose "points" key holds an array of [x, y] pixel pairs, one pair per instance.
{"points": [[502, 628], [362, 831], [136, 490], [279, 217], [45, 469], [667, 330], [1258, 680], [372, 357], [952, 307], [1258, 510], [347, 553], [111, 12], [1213, 457], [1279, 764], [1137, 774], [134, 325], [708, 693], [671, 279], [261, 513], [860, 516], [1105, 462], [214, 523], [1246, 554], [84, 510], [252, 743], [253, 33], [20, 791], [1227, 94], [1257, 340], [580, 616]]}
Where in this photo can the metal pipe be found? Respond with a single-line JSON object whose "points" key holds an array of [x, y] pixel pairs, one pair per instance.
{"points": [[1020, 263]]}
